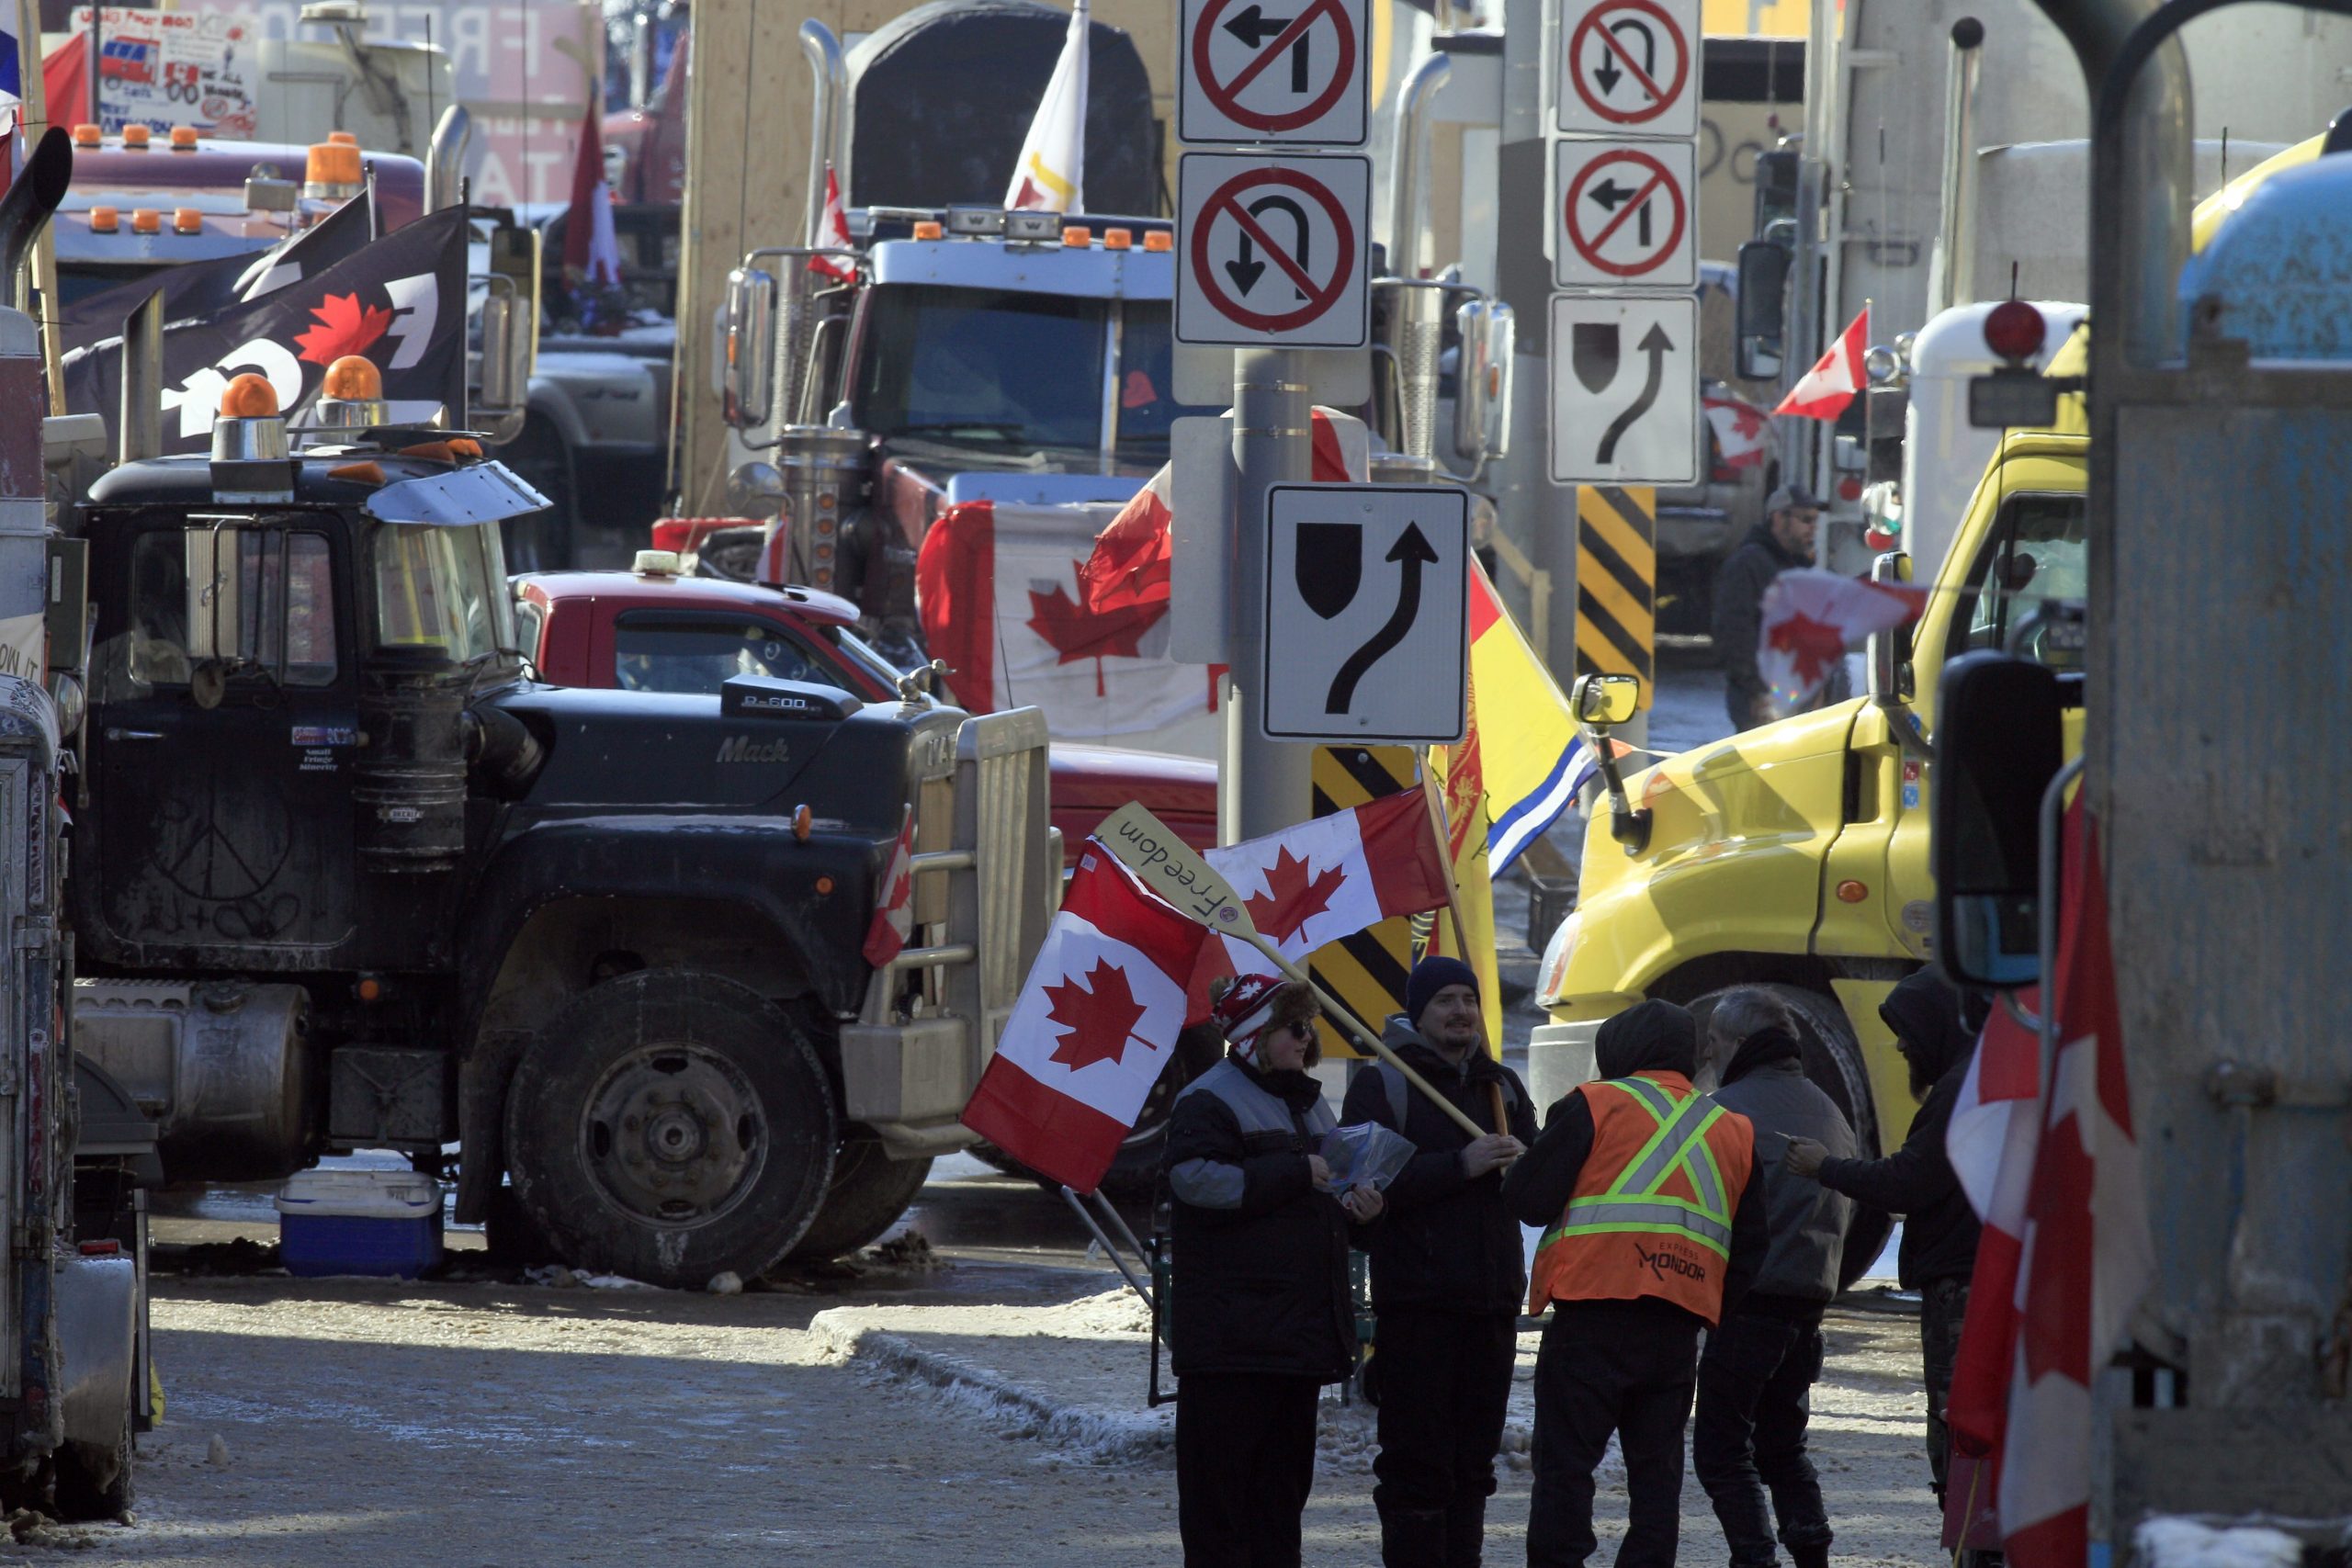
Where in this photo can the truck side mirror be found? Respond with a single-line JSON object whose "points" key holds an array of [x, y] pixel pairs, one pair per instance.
{"points": [[1763, 308], [1599, 702], [748, 357], [1489, 331], [1998, 744], [1889, 654], [499, 402]]}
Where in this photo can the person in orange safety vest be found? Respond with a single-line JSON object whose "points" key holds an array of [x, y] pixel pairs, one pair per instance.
{"points": [[1653, 1228]]}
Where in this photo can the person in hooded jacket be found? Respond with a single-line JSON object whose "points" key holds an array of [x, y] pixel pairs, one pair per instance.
{"points": [[1747, 1438], [1260, 1317], [1447, 1275], [1939, 1227], [1650, 1239]]}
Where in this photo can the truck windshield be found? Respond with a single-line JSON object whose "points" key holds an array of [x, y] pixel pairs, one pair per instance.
{"points": [[984, 367], [442, 587], [1148, 402]]}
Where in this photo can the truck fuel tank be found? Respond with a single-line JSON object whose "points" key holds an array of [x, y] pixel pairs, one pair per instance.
{"points": [[224, 1068]]}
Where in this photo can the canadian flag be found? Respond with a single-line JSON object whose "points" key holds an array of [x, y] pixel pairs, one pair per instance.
{"points": [[1834, 377], [2066, 1250], [1047, 604], [833, 234], [1811, 618], [1050, 174], [590, 246], [1742, 437], [894, 914], [1133, 558], [1092, 1028], [1327, 879]]}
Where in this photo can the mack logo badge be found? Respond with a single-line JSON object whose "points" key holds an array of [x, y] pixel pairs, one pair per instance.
{"points": [[743, 748]]}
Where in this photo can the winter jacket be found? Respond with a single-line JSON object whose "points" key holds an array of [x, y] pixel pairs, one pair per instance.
{"points": [[1740, 609], [1259, 1278], [1766, 1083], [1649, 1036], [1940, 1228], [1445, 1242]]}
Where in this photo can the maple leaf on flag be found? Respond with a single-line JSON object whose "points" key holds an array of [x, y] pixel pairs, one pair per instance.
{"points": [[1101, 1016], [1077, 632], [1816, 646], [346, 327], [1291, 898]]}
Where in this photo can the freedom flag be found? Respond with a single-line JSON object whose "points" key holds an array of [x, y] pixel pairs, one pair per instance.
{"points": [[1327, 879], [400, 300], [1050, 173], [1836, 377], [200, 289], [1811, 618], [1092, 1028], [833, 234], [894, 914], [2066, 1250]]}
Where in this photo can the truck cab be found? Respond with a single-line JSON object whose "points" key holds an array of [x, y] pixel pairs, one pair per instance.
{"points": [[1795, 854], [347, 876]]}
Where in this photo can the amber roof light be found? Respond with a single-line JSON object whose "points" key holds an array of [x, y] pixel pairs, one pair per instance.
{"points": [[353, 378], [134, 137], [1159, 240], [88, 135], [146, 220], [188, 220], [248, 396], [183, 139], [331, 163], [105, 219]]}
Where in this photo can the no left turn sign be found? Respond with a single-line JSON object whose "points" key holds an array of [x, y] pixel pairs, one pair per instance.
{"points": [[1289, 72], [1629, 68], [1272, 252], [1626, 217]]}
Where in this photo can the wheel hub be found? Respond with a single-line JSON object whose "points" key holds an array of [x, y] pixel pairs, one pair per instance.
{"points": [[674, 1135]]}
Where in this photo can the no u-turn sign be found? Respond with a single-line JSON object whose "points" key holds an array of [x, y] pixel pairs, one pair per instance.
{"points": [[1273, 253]]}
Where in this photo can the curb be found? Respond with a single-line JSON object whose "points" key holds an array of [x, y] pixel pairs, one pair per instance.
{"points": [[1085, 1432]]}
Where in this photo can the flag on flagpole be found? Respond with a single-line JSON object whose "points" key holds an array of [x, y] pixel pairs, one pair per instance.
{"points": [[2067, 1250], [1457, 774], [1325, 879], [1093, 1026], [1050, 173], [1529, 768], [833, 234], [894, 914], [590, 246], [1836, 377]]}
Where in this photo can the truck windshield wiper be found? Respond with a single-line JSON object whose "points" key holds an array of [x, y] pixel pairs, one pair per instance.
{"points": [[1004, 430]]}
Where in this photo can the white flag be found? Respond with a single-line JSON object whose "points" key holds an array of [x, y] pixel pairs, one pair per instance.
{"points": [[1050, 176]]}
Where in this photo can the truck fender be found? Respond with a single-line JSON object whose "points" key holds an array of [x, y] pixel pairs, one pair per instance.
{"points": [[793, 916], [551, 401]]}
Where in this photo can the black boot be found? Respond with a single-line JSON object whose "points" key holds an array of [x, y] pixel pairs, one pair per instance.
{"points": [[1465, 1533], [1809, 1556], [1412, 1538]]}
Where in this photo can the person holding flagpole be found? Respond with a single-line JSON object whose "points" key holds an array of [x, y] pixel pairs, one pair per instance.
{"points": [[1261, 1318]]}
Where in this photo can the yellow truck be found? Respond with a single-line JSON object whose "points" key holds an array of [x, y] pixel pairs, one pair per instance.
{"points": [[1795, 854]]}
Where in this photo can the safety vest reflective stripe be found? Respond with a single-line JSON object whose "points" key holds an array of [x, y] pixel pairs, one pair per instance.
{"points": [[1633, 1201]]}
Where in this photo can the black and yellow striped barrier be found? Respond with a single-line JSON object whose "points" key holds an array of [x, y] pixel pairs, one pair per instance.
{"points": [[1367, 970], [1617, 582]]}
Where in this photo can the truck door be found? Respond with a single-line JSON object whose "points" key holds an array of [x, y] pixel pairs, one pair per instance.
{"points": [[227, 826]]}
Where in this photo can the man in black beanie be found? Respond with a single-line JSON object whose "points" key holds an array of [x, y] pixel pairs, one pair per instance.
{"points": [[1446, 1272]]}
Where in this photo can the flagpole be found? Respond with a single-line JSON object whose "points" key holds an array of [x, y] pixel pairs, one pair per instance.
{"points": [[31, 112]]}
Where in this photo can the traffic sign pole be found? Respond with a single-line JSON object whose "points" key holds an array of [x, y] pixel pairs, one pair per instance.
{"points": [[1272, 445]]}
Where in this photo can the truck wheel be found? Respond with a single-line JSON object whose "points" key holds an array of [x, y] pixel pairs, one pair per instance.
{"points": [[1833, 1062], [870, 1190], [670, 1126]]}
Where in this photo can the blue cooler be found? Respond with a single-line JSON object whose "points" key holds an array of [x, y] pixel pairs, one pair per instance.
{"points": [[385, 1222]]}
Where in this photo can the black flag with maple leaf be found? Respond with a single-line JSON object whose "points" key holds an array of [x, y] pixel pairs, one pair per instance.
{"points": [[400, 300]]}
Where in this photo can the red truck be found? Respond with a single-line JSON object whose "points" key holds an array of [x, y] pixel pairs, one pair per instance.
{"points": [[655, 630]]}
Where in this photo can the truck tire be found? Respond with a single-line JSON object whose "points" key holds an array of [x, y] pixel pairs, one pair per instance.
{"points": [[869, 1191], [1833, 1062], [92, 1486], [670, 1126]]}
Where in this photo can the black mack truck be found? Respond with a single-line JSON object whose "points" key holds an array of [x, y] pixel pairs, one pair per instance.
{"points": [[347, 877]]}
